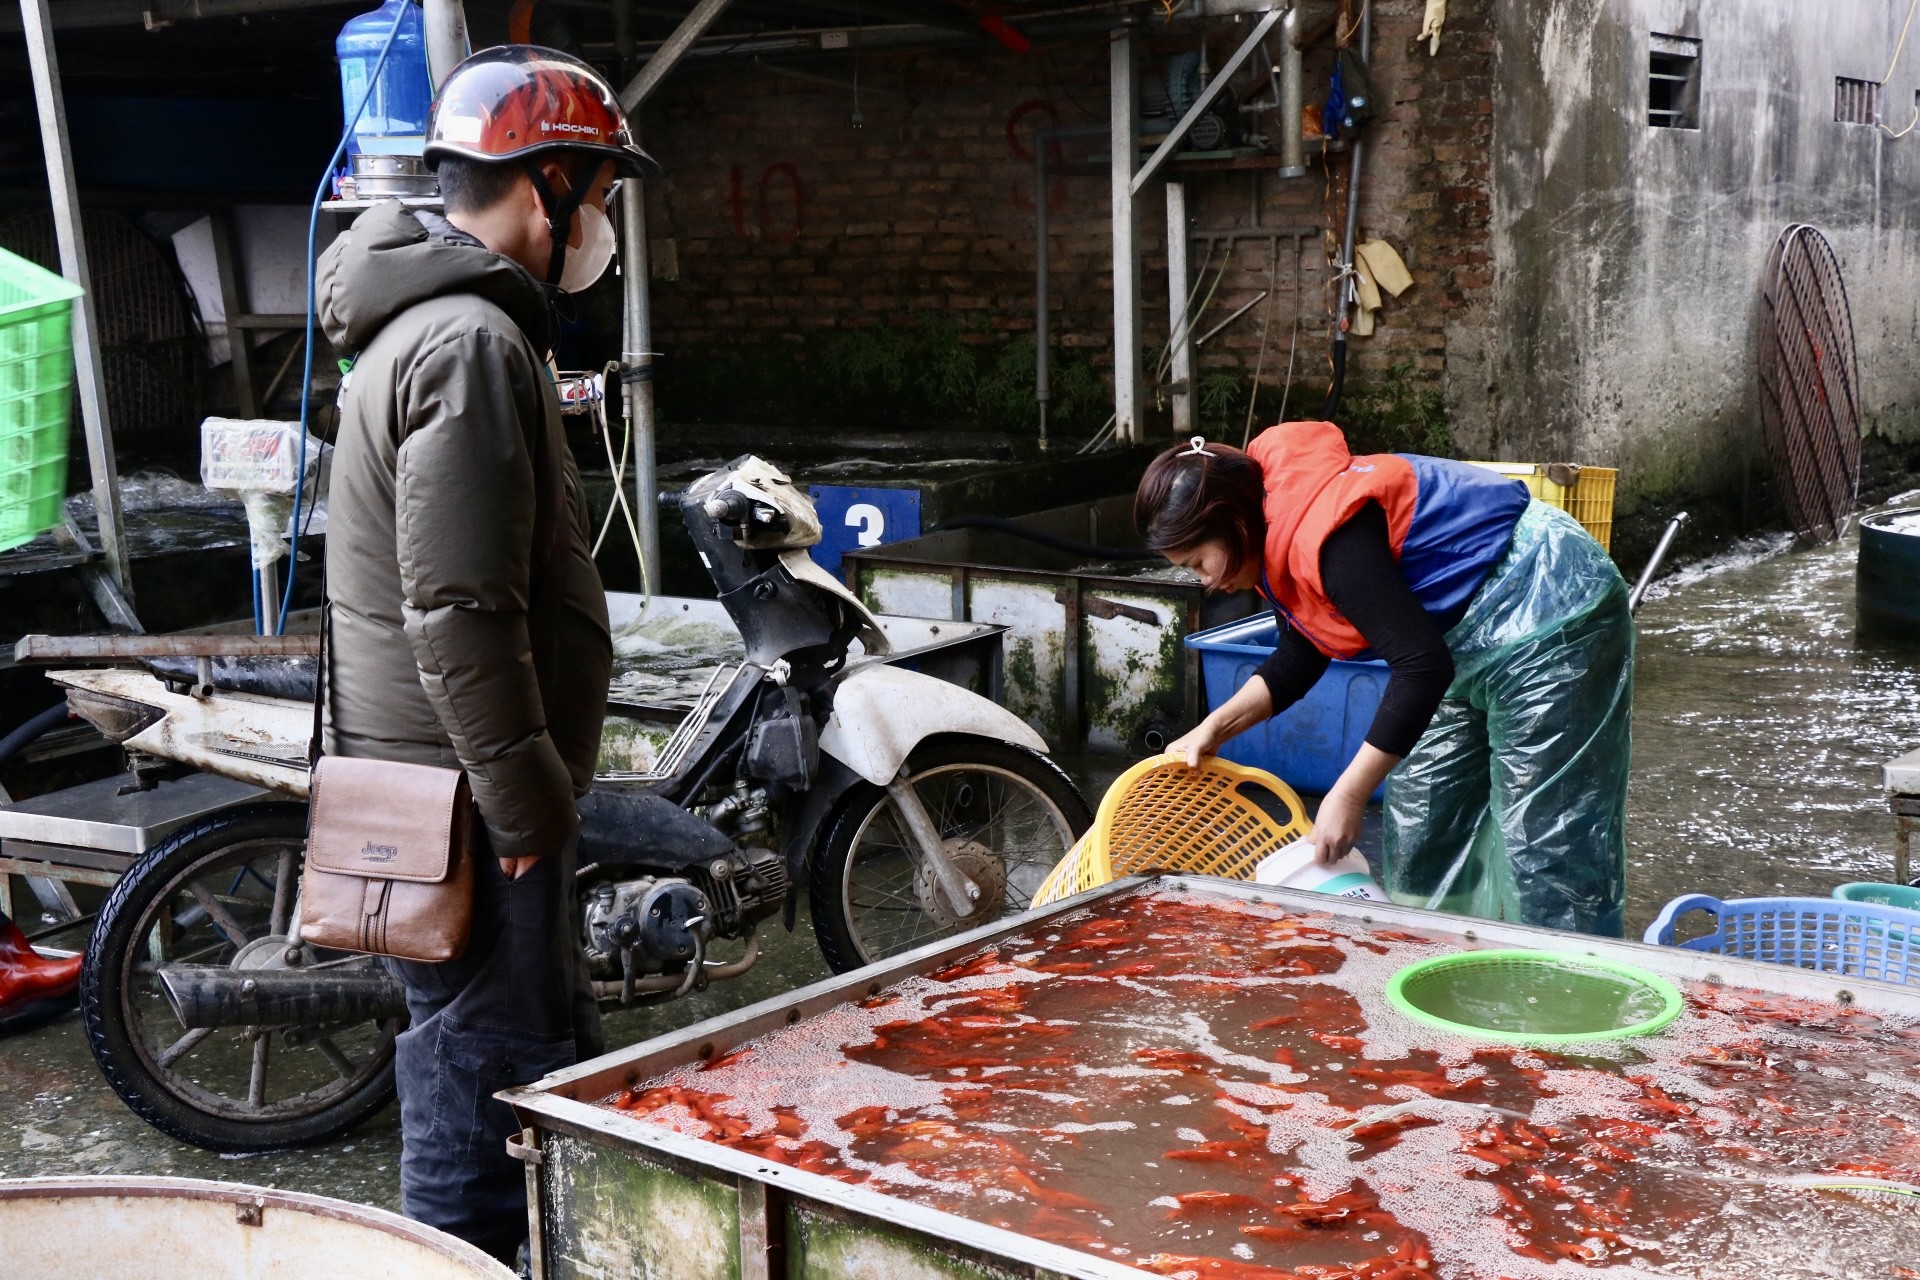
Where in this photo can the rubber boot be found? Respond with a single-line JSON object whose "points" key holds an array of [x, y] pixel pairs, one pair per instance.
{"points": [[26, 975]]}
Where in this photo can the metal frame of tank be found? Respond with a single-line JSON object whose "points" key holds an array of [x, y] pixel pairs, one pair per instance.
{"points": [[611, 1195], [1093, 655]]}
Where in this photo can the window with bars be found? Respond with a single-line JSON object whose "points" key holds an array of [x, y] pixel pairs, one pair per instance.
{"points": [[1673, 82], [1856, 101]]}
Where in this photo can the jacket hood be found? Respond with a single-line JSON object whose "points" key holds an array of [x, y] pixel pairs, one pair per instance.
{"points": [[388, 261], [1297, 460]]}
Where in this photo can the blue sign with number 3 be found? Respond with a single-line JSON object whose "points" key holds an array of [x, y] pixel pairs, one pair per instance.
{"points": [[852, 518]]}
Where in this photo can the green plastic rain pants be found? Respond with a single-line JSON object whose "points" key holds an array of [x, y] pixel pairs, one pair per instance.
{"points": [[1513, 803]]}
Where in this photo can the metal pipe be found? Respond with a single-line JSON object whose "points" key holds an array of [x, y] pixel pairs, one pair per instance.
{"points": [[1348, 293], [636, 377], [656, 983], [1123, 70], [1179, 324], [1653, 562], [1042, 337], [446, 31], [1239, 311], [1291, 98], [206, 995], [37, 26]]}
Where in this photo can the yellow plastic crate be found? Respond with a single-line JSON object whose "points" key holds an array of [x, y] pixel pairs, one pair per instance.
{"points": [[1585, 493], [1162, 816]]}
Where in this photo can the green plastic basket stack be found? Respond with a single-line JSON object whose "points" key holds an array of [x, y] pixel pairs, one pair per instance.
{"points": [[36, 396]]}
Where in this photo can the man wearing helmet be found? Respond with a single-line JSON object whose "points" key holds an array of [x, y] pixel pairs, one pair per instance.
{"points": [[468, 624]]}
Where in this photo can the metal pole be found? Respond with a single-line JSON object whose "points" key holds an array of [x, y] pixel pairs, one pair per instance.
{"points": [[636, 360], [37, 26], [445, 23], [1179, 326], [1291, 97], [1123, 67], [1212, 90], [1348, 294], [1639, 591], [690, 29], [1042, 338]]}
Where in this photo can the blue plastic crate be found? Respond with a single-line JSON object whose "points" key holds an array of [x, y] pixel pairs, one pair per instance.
{"points": [[1313, 741], [1859, 939]]}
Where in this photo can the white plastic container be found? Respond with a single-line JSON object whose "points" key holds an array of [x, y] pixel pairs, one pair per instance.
{"points": [[1296, 867]]}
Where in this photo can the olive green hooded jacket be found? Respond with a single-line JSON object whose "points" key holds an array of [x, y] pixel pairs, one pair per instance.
{"points": [[469, 626]]}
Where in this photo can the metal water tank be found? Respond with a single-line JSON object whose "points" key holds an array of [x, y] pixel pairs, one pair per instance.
{"points": [[188, 1229]]}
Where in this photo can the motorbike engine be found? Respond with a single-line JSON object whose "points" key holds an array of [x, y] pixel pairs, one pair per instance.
{"points": [[662, 924]]}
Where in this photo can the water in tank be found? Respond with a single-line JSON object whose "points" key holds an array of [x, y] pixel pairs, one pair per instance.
{"points": [[395, 119]]}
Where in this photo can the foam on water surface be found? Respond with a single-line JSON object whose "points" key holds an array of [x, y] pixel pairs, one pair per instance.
{"points": [[1215, 1088]]}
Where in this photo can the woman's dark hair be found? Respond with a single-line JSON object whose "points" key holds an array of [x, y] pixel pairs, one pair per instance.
{"points": [[1194, 494]]}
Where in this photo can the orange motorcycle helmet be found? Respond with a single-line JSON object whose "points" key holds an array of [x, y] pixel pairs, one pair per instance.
{"points": [[519, 101]]}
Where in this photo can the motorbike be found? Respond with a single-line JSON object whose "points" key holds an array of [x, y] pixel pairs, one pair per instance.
{"points": [[905, 809]]}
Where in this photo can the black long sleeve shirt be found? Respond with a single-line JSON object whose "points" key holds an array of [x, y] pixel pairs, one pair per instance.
{"points": [[1365, 583]]}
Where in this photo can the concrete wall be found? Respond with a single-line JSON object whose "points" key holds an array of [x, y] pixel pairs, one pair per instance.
{"points": [[1628, 259]]}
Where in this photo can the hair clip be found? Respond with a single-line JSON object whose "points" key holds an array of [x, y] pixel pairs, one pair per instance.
{"points": [[1197, 444]]}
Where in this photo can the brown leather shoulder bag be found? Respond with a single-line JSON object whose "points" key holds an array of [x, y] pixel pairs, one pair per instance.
{"points": [[389, 850]]}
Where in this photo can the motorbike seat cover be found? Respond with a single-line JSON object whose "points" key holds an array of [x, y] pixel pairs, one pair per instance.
{"points": [[633, 825], [881, 713]]}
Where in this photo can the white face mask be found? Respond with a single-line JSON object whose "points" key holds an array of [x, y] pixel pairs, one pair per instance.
{"points": [[587, 261]]}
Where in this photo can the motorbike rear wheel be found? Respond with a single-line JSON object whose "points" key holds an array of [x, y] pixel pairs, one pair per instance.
{"points": [[221, 892], [1007, 816]]}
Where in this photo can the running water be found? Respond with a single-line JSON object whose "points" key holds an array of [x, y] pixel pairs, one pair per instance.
{"points": [[1207, 1087]]}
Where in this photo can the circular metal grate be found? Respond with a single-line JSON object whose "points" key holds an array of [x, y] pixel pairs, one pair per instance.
{"points": [[1810, 383]]}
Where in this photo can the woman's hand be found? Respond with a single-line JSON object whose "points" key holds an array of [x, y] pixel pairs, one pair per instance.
{"points": [[1246, 708], [1336, 828], [1201, 741]]}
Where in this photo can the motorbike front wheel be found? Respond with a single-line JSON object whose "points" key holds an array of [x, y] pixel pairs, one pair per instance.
{"points": [[1006, 815], [221, 892]]}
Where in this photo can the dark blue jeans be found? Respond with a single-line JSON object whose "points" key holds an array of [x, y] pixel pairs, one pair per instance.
{"points": [[516, 1006]]}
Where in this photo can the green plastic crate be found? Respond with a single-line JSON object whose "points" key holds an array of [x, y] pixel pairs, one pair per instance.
{"points": [[36, 397]]}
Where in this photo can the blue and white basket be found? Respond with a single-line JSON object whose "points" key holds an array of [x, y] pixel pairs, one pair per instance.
{"points": [[1859, 939]]}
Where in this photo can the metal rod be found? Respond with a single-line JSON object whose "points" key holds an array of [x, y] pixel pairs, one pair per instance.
{"points": [[1205, 100], [1123, 68], [1042, 335], [445, 24], [1653, 562], [37, 26], [690, 29], [1291, 98], [1245, 307], [636, 359], [38, 648], [1179, 325], [1348, 294]]}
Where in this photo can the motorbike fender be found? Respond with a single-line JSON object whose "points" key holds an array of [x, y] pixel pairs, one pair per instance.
{"points": [[881, 713], [801, 828]]}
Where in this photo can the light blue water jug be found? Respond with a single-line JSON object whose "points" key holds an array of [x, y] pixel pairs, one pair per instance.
{"points": [[395, 120]]}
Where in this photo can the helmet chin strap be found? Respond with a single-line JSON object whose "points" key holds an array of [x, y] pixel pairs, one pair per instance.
{"points": [[560, 211]]}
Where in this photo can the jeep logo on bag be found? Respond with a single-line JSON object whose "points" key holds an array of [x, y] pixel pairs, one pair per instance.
{"points": [[379, 852]]}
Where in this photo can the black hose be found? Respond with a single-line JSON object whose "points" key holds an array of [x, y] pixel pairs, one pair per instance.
{"points": [[1339, 385], [32, 731], [1054, 540]]}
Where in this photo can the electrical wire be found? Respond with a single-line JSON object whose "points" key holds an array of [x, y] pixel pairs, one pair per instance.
{"points": [[306, 380], [1898, 49], [619, 502]]}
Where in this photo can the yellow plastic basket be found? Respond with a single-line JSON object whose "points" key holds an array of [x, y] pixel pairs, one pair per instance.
{"points": [[1585, 493], [1162, 815]]}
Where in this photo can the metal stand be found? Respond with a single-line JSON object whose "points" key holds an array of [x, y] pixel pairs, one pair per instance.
{"points": [[37, 27], [1123, 69]]}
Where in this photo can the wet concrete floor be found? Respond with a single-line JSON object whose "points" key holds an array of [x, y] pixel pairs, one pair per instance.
{"points": [[1760, 728]]}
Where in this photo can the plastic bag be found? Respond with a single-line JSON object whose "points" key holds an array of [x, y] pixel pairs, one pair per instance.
{"points": [[1513, 803]]}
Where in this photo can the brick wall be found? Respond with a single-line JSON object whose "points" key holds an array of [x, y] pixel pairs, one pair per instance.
{"points": [[789, 219]]}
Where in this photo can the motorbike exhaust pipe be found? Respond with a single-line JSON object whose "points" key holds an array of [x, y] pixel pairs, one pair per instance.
{"points": [[204, 995]]}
